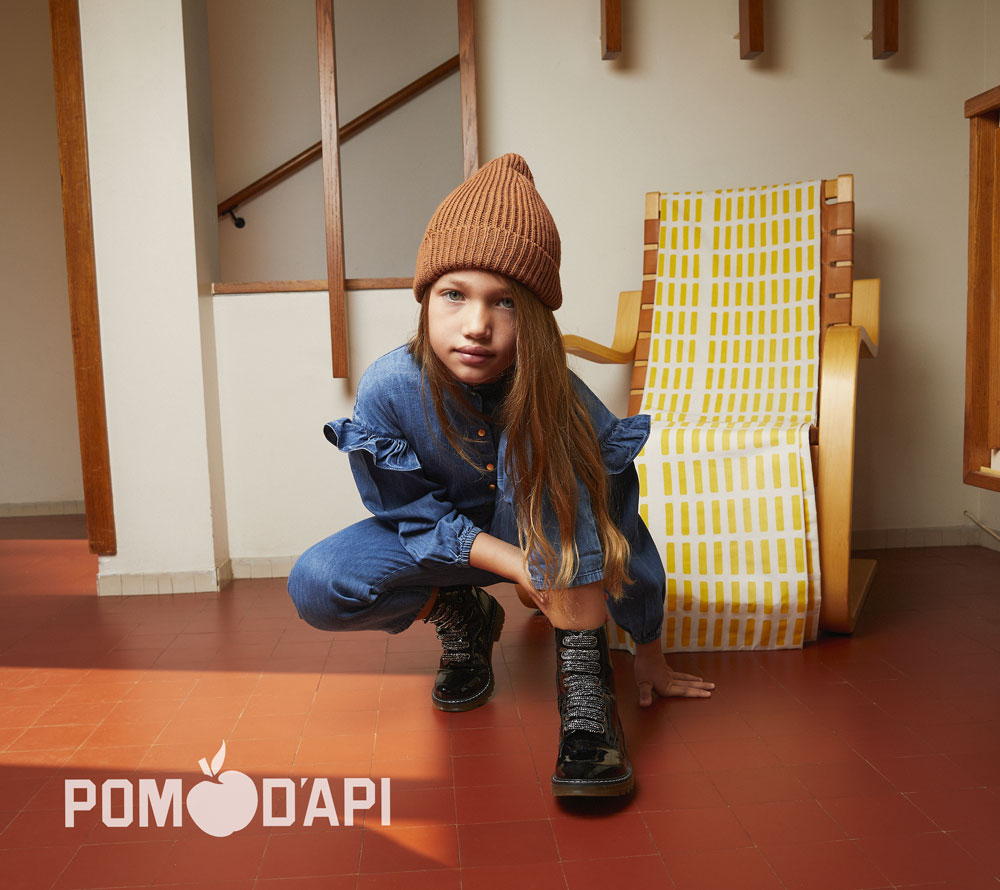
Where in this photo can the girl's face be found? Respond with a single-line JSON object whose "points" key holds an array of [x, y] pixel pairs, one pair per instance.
{"points": [[471, 324]]}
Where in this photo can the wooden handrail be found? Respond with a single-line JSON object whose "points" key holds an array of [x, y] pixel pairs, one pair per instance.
{"points": [[351, 128], [984, 103]]}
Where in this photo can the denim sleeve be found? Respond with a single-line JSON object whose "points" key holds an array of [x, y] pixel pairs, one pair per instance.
{"points": [[431, 530], [620, 440], [392, 483]]}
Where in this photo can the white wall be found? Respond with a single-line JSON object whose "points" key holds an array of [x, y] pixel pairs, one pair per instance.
{"points": [[286, 486], [147, 178], [206, 240], [39, 439], [266, 100], [679, 110], [814, 104]]}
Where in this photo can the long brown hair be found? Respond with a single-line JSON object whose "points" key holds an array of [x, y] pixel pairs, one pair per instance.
{"points": [[540, 399]]}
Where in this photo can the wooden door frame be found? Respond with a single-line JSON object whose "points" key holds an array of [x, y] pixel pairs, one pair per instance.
{"points": [[982, 356], [81, 273]]}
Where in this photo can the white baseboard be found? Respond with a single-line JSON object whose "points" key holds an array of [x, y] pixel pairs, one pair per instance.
{"points": [[263, 566], [138, 584], [940, 536], [989, 541], [43, 508]]}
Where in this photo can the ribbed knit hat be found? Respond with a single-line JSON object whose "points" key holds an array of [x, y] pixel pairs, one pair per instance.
{"points": [[495, 221]]}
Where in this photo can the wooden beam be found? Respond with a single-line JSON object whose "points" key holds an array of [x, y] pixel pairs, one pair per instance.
{"points": [[269, 287], [611, 29], [982, 364], [984, 478], [467, 79], [74, 167], [308, 285], [992, 311], [885, 28], [751, 28], [331, 185], [984, 103]]}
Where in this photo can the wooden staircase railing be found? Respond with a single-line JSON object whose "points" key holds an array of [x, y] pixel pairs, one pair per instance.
{"points": [[351, 128]]}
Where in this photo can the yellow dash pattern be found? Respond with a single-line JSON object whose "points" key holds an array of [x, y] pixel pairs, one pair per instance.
{"points": [[725, 479]]}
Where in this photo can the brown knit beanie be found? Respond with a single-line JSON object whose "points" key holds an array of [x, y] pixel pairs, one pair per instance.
{"points": [[495, 221]]}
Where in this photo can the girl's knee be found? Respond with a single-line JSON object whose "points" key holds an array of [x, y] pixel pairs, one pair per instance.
{"points": [[305, 589], [578, 608], [357, 580], [314, 591]]}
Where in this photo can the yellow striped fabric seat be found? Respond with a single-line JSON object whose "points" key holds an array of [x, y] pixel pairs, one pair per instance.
{"points": [[731, 386]]}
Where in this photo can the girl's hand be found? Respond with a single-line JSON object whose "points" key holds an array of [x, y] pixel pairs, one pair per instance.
{"points": [[541, 597], [529, 596], [652, 674]]}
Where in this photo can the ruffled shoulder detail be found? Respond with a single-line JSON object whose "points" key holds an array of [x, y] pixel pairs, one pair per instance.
{"points": [[390, 452], [623, 441]]}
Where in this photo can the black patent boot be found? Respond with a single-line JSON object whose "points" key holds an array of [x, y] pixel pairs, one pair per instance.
{"points": [[468, 622], [591, 761]]}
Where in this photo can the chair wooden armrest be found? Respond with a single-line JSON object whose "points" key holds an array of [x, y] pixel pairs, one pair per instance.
{"points": [[846, 581], [622, 349], [865, 312]]}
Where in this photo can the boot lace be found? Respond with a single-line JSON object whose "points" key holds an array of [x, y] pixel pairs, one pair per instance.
{"points": [[579, 665], [451, 624]]}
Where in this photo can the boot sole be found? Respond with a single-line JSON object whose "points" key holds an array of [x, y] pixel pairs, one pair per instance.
{"points": [[497, 618], [571, 788]]}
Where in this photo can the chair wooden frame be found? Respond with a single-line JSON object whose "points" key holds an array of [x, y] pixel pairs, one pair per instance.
{"points": [[849, 312]]}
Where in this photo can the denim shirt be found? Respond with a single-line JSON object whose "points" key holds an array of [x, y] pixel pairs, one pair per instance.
{"points": [[409, 475]]}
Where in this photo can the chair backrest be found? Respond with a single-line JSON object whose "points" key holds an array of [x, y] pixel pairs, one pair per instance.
{"points": [[739, 286]]}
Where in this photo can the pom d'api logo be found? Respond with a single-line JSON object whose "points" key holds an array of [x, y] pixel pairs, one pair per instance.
{"points": [[226, 801]]}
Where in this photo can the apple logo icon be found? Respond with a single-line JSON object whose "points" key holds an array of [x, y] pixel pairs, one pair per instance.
{"points": [[224, 802]]}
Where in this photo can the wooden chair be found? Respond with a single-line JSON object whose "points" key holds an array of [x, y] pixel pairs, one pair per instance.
{"points": [[849, 311]]}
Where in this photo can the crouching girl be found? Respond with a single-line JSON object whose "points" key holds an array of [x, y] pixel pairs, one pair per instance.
{"points": [[484, 459]]}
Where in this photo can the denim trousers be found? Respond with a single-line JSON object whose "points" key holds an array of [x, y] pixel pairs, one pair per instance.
{"points": [[363, 578]]}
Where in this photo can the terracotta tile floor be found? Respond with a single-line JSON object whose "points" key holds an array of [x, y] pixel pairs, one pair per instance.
{"points": [[862, 762]]}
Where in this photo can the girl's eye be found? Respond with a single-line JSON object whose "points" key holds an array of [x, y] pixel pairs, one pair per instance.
{"points": [[506, 303], [452, 296]]}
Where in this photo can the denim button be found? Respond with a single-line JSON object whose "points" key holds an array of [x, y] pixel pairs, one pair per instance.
{"points": [[482, 432], [490, 467]]}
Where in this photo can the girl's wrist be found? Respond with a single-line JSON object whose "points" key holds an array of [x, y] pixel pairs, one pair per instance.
{"points": [[499, 557]]}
